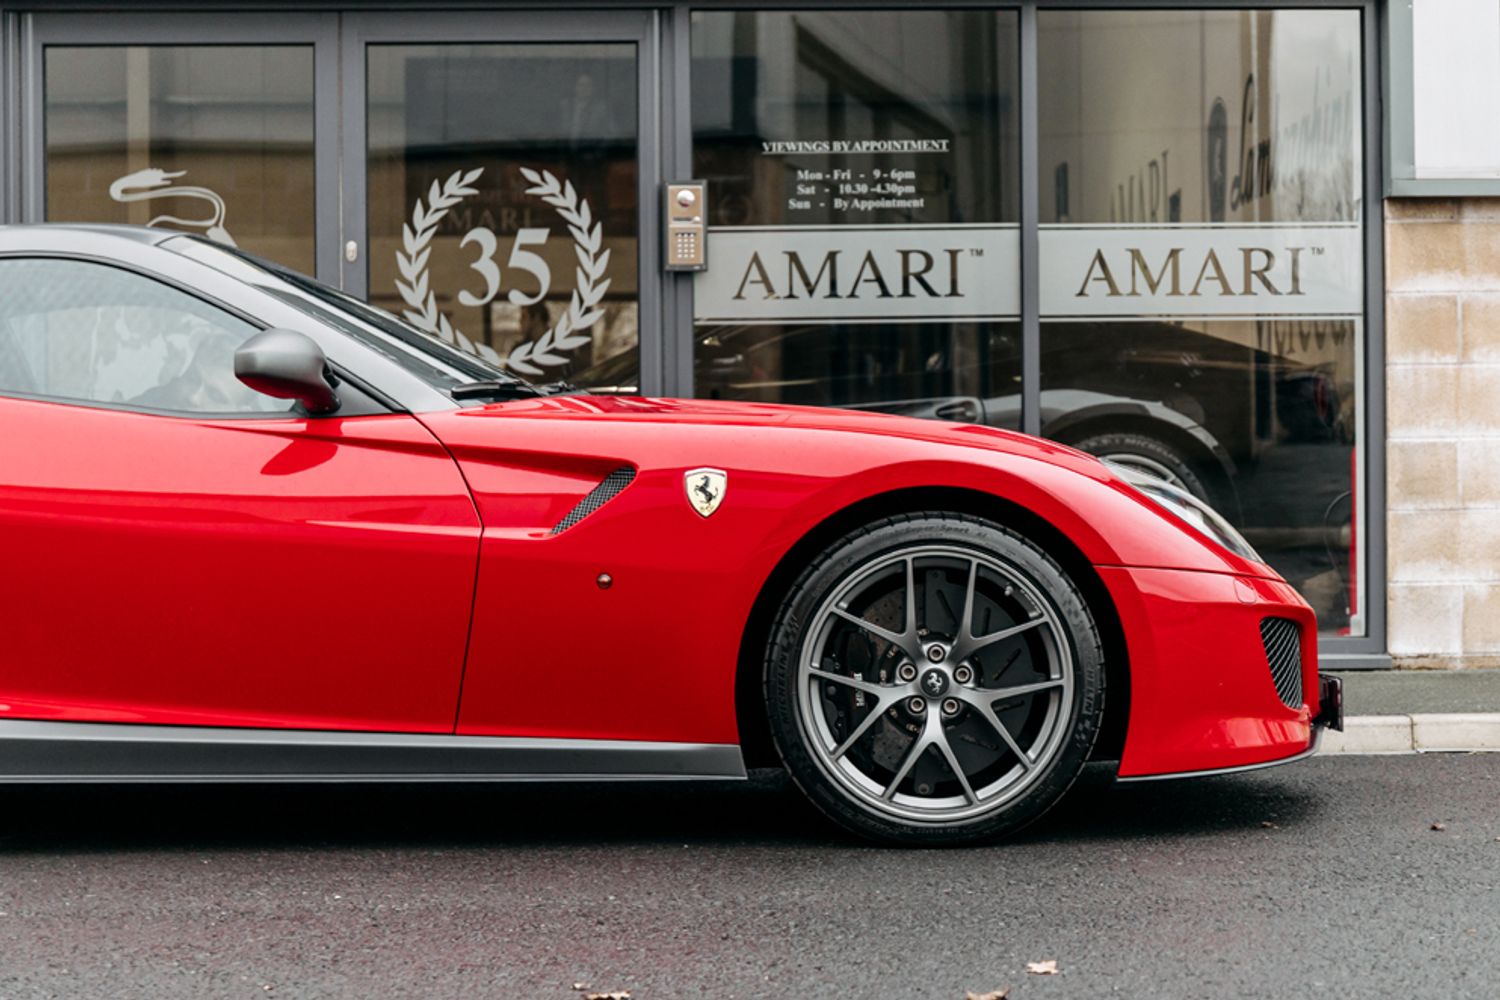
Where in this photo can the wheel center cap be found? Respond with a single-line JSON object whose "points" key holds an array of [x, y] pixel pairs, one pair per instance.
{"points": [[934, 683]]}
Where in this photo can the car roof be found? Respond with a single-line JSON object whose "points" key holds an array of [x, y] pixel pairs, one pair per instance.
{"points": [[135, 234]]}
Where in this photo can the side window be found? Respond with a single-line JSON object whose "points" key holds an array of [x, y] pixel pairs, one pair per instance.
{"points": [[76, 330]]}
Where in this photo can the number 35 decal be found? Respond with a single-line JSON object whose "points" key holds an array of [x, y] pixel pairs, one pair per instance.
{"points": [[521, 259], [584, 306]]}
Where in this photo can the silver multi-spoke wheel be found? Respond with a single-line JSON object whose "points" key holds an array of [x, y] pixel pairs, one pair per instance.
{"points": [[935, 683], [934, 678]]}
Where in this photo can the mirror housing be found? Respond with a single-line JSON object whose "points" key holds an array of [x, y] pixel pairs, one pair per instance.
{"points": [[286, 364]]}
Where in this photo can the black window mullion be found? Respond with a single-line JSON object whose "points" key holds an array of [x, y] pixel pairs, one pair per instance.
{"points": [[1031, 330]]}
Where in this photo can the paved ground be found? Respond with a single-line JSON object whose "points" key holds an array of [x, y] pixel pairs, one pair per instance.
{"points": [[1406, 692], [1322, 878]]}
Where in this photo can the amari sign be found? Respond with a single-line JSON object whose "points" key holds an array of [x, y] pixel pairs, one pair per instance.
{"points": [[920, 274], [852, 274], [1264, 271]]}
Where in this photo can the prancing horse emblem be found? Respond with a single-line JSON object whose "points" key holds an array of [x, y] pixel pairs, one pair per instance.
{"points": [[705, 489]]}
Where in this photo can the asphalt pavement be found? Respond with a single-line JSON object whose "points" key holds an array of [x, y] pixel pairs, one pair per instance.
{"points": [[1321, 878]]}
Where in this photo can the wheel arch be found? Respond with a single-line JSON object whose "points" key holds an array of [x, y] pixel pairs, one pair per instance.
{"points": [[750, 709]]}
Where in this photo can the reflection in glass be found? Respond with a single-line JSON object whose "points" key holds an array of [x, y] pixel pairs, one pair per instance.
{"points": [[1201, 215], [85, 332], [502, 200], [214, 140], [899, 122]]}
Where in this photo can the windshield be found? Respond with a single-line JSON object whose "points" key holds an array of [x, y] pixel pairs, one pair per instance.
{"points": [[422, 354]]}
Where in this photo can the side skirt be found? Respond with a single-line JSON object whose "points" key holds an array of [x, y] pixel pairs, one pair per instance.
{"points": [[89, 752]]}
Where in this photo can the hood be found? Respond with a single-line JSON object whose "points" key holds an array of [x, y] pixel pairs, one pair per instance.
{"points": [[806, 463], [685, 413]]}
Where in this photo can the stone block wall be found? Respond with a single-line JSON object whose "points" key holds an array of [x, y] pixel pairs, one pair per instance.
{"points": [[1443, 423]]}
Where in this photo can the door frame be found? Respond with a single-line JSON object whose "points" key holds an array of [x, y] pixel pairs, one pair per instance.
{"points": [[318, 30], [637, 27]]}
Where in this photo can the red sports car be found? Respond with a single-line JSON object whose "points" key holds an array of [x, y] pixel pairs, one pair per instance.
{"points": [[256, 530]]}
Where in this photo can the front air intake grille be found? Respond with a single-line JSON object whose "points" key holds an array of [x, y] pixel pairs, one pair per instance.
{"points": [[598, 497], [1282, 639]]}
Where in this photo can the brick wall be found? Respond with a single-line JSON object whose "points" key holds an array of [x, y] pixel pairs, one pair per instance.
{"points": [[1443, 420]]}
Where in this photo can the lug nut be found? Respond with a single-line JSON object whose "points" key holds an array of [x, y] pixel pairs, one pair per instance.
{"points": [[907, 672], [916, 706], [936, 654], [964, 674], [950, 706]]}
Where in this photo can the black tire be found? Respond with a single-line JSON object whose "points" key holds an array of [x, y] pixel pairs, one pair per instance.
{"points": [[797, 705], [1127, 447]]}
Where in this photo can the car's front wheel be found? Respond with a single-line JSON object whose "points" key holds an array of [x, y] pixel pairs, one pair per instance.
{"points": [[934, 679]]}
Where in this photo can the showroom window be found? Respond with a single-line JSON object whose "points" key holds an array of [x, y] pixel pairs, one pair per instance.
{"points": [[1140, 232], [1199, 214], [863, 179], [1201, 267]]}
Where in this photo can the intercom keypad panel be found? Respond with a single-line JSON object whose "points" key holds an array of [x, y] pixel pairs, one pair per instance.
{"points": [[686, 226]]}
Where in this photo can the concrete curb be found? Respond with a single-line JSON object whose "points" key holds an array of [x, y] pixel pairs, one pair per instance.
{"points": [[1450, 733]]}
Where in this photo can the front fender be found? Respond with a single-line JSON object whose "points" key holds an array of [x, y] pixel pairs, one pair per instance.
{"points": [[654, 655]]}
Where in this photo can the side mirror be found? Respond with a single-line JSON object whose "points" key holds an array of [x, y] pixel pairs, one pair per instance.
{"points": [[287, 365]]}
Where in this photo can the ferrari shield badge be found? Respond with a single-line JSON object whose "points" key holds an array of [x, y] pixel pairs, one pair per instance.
{"points": [[705, 489]]}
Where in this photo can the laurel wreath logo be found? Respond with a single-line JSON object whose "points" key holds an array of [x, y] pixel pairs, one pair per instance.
{"points": [[589, 282]]}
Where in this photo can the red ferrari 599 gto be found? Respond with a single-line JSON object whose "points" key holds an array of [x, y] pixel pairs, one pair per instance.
{"points": [[257, 530]]}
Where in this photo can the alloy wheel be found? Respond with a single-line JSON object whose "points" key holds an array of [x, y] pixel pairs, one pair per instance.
{"points": [[935, 684]]}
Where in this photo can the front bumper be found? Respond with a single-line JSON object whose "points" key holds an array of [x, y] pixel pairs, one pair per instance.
{"points": [[1202, 697], [1330, 716]]}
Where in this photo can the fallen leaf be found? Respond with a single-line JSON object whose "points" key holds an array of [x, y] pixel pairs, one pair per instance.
{"points": [[1269, 825], [1439, 826], [1047, 968], [580, 987], [999, 994], [615, 995]]}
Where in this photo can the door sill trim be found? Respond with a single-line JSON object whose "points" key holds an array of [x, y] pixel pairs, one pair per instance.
{"points": [[65, 752]]}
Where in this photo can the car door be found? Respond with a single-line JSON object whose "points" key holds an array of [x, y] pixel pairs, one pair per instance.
{"points": [[182, 550]]}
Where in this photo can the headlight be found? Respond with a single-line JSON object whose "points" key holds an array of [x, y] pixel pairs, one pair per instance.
{"points": [[1187, 508]]}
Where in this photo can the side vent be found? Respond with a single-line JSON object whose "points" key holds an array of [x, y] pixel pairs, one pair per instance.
{"points": [[598, 497], [1282, 640]]}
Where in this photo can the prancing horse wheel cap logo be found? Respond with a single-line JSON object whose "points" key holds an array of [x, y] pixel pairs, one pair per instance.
{"points": [[705, 489], [935, 683]]}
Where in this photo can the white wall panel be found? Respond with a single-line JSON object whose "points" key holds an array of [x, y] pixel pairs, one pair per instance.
{"points": [[1456, 88]]}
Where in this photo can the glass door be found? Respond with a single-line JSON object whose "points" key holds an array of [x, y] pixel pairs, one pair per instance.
{"points": [[495, 169], [219, 125]]}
